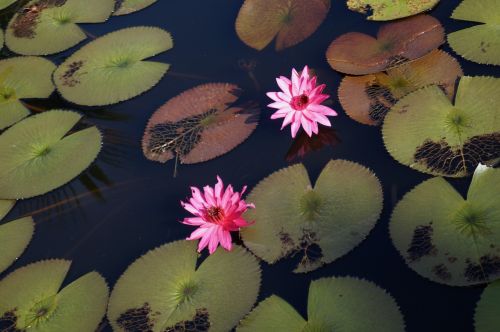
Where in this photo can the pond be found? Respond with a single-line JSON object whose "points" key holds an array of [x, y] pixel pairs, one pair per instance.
{"points": [[125, 205]]}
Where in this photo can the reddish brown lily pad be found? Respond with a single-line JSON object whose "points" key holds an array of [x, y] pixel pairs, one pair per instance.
{"points": [[289, 21], [367, 99], [198, 125], [396, 43]]}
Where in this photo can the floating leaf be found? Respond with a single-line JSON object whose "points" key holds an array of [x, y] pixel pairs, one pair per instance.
{"points": [[425, 131], [385, 10], [166, 290], [448, 239], [367, 99], [111, 69], [123, 7], [50, 26], [480, 43], [5, 207], [354, 305], [360, 54], [324, 222], [6, 3], [486, 318], [14, 237], [22, 78], [32, 300], [42, 153], [304, 144], [198, 125], [289, 21]]}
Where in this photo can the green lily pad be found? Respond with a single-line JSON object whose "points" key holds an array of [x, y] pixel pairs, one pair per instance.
{"points": [[449, 239], [6, 3], [385, 10], [357, 53], [367, 99], [50, 26], [166, 290], [111, 69], [123, 7], [322, 223], [425, 131], [480, 43], [5, 206], [200, 124], [42, 153], [14, 237], [22, 78], [486, 318], [290, 22], [349, 304], [33, 301]]}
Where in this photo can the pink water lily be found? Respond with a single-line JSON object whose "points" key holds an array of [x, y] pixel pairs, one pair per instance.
{"points": [[217, 212], [299, 103]]}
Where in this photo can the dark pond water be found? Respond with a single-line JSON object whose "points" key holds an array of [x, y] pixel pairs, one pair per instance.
{"points": [[136, 207]]}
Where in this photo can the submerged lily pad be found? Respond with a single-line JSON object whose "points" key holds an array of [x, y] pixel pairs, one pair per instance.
{"points": [[367, 99], [479, 43], [323, 222], [425, 131], [353, 304], [14, 237], [22, 78], [486, 318], [166, 290], [33, 301], [449, 239], [289, 21], [50, 26], [198, 125], [6, 3], [385, 10], [360, 54], [111, 69], [42, 153], [123, 7]]}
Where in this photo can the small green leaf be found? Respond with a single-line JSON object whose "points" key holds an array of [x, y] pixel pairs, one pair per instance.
{"points": [[40, 154], [349, 304], [479, 43]]}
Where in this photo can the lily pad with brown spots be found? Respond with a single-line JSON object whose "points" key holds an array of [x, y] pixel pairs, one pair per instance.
{"points": [[290, 22], [357, 53], [319, 223], [198, 125], [480, 43], [168, 290], [447, 238], [385, 10], [367, 99], [427, 132], [32, 299], [44, 27]]}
